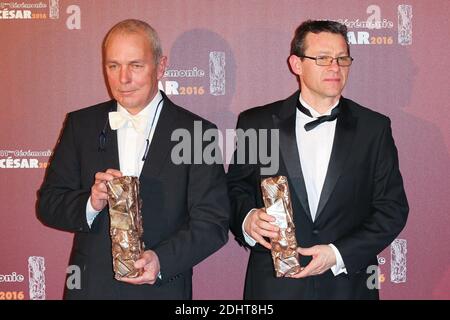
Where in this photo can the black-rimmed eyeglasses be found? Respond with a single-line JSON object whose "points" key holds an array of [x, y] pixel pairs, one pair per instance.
{"points": [[343, 61]]}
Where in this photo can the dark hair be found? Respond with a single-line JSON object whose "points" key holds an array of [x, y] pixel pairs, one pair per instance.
{"points": [[315, 26]]}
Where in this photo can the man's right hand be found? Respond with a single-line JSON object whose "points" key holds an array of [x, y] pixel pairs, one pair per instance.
{"points": [[99, 194], [259, 225]]}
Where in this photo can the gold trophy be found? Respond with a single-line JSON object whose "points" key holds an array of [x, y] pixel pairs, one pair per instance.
{"points": [[126, 225], [277, 200]]}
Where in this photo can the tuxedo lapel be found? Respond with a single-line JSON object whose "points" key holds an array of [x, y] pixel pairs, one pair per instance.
{"points": [[342, 144], [285, 122], [110, 153], [161, 142]]}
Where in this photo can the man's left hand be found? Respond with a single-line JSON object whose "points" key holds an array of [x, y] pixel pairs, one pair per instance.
{"points": [[150, 263], [323, 258]]}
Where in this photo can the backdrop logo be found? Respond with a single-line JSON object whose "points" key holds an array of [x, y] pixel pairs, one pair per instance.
{"points": [[29, 10], [190, 73], [398, 250], [373, 21], [195, 80], [377, 30], [404, 24], [23, 159], [36, 268], [217, 73], [53, 10], [13, 277], [398, 260]]}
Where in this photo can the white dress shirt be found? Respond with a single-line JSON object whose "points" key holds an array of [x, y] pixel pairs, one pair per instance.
{"points": [[314, 149], [132, 145]]}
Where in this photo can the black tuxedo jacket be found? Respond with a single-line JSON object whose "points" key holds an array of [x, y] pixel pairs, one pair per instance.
{"points": [[362, 207], [185, 207]]}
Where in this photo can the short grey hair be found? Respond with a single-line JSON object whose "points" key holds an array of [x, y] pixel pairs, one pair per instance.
{"points": [[134, 26]]}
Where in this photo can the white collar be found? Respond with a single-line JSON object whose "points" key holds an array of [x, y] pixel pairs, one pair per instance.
{"points": [[314, 113]]}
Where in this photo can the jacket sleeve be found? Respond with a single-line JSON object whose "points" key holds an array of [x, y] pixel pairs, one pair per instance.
{"points": [[206, 229], [389, 208], [61, 201], [243, 183]]}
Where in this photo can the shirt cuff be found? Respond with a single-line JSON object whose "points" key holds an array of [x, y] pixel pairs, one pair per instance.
{"points": [[91, 213], [339, 267], [250, 241]]}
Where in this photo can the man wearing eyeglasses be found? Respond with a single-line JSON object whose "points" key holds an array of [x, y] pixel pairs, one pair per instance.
{"points": [[341, 163]]}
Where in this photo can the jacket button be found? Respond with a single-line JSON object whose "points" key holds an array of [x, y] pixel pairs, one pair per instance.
{"points": [[315, 232]]}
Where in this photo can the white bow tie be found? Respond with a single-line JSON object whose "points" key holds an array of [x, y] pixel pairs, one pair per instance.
{"points": [[118, 120]]}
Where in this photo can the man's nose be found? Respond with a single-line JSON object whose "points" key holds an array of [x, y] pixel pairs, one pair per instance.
{"points": [[334, 65], [125, 74]]}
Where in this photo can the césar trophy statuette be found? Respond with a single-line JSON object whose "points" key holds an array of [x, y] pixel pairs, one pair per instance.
{"points": [[126, 225], [277, 200]]}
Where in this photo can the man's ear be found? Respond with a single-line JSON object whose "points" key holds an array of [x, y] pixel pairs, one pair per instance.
{"points": [[295, 64], [161, 67]]}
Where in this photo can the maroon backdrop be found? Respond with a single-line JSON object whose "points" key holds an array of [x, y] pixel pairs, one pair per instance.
{"points": [[51, 64]]}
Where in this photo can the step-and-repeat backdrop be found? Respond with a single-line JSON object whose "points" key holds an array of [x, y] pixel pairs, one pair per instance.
{"points": [[224, 57]]}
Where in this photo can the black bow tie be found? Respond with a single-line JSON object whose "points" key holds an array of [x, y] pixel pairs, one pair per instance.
{"points": [[311, 125]]}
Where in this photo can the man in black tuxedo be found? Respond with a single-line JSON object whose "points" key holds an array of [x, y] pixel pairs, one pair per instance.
{"points": [[185, 206], [343, 173]]}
